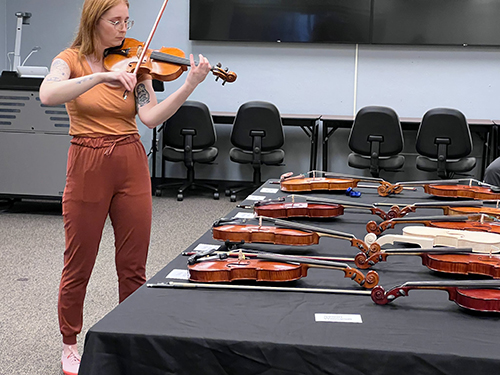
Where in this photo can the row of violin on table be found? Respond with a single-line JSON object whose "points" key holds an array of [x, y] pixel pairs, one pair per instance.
{"points": [[464, 240]]}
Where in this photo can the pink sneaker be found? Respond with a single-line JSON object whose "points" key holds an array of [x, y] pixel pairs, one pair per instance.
{"points": [[70, 360]]}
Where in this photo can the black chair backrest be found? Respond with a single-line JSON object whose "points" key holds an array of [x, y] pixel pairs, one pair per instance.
{"points": [[260, 118], [444, 125], [377, 123], [194, 117]]}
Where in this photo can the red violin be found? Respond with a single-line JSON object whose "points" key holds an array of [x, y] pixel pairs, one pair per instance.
{"points": [[314, 207], [456, 189], [479, 295], [270, 268], [332, 181], [469, 223], [459, 261], [288, 233]]}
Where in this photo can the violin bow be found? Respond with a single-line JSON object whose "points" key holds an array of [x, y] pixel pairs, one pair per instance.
{"points": [[176, 284], [148, 42]]}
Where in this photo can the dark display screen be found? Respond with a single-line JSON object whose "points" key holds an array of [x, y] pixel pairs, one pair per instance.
{"points": [[413, 22], [309, 21], [446, 22]]}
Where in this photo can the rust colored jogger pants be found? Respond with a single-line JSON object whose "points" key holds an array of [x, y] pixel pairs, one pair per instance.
{"points": [[106, 175]]}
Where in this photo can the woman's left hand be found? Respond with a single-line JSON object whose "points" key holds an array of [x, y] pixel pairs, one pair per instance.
{"points": [[198, 73]]}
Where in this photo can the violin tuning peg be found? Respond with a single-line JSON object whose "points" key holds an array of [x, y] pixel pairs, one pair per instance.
{"points": [[218, 65]]}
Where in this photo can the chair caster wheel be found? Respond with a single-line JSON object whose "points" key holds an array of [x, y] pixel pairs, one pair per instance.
{"points": [[216, 195], [233, 198], [180, 197], [158, 193], [227, 192]]}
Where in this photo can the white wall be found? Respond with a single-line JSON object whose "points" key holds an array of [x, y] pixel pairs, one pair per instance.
{"points": [[298, 78], [3, 35]]}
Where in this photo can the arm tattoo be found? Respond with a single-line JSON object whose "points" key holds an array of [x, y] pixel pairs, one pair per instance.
{"points": [[142, 95], [58, 71], [84, 79]]}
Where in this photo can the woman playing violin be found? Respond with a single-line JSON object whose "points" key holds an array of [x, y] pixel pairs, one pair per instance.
{"points": [[107, 170]]}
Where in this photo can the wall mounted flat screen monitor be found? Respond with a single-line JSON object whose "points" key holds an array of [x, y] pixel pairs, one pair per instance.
{"points": [[294, 21], [438, 22]]}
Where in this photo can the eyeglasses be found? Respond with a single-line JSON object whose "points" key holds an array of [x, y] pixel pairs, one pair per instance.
{"points": [[119, 24]]}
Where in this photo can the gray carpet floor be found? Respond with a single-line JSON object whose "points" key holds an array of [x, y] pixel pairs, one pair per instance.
{"points": [[31, 248]]}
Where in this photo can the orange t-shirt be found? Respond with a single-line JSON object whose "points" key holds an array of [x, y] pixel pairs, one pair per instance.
{"points": [[102, 109]]}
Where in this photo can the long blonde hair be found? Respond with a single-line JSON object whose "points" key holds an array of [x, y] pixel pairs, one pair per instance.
{"points": [[86, 39]]}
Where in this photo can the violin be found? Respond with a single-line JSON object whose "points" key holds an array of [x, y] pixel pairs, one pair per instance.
{"points": [[446, 222], [479, 295], [332, 182], [165, 64], [314, 207], [288, 233], [270, 268], [449, 208], [454, 188], [427, 237], [446, 260]]}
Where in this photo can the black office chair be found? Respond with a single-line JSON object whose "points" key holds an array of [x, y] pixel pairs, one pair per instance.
{"points": [[257, 135], [444, 143], [189, 137], [376, 140]]}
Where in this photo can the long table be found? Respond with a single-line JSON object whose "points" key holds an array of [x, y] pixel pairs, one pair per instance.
{"points": [[212, 331], [484, 127]]}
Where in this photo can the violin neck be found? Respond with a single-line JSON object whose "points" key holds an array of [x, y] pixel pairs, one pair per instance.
{"points": [[440, 182], [448, 204], [432, 250], [165, 57]]}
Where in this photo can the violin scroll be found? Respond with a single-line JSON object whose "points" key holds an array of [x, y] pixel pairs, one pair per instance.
{"points": [[386, 188], [369, 281], [373, 227], [363, 262], [380, 297], [224, 74]]}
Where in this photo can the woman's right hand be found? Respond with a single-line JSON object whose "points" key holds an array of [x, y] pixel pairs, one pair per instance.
{"points": [[58, 89], [125, 79]]}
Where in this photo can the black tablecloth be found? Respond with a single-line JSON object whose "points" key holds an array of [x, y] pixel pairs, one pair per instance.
{"points": [[205, 331]]}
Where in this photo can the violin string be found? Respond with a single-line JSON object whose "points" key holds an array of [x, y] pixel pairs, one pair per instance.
{"points": [[165, 57]]}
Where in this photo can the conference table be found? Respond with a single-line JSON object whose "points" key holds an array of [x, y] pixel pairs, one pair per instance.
{"points": [[246, 332], [485, 128]]}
